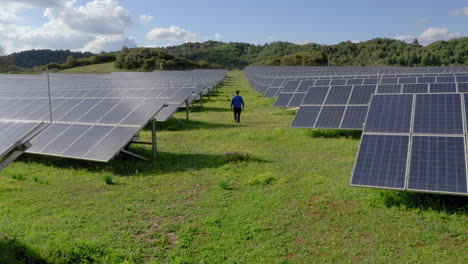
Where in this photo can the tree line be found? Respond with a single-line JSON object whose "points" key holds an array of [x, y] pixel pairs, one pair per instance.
{"points": [[375, 52], [149, 59], [237, 55]]}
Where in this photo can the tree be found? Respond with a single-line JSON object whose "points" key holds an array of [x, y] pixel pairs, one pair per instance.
{"points": [[5, 61], [416, 42], [70, 61]]}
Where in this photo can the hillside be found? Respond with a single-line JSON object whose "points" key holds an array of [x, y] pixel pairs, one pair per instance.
{"points": [[234, 55], [373, 52], [32, 58]]}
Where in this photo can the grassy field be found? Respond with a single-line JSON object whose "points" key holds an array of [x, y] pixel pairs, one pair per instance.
{"points": [[287, 201]]}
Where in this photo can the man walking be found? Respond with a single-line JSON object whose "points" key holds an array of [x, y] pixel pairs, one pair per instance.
{"points": [[237, 104]]}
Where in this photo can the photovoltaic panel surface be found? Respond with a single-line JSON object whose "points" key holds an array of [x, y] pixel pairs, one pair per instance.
{"points": [[330, 116], [390, 113], [438, 164], [306, 116], [354, 117], [95, 116], [437, 160], [381, 162], [438, 114]]}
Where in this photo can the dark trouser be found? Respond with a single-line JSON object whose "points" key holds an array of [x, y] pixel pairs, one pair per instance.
{"points": [[237, 112]]}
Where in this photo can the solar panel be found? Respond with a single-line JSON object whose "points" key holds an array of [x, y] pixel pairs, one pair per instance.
{"points": [[330, 117], [389, 88], [390, 113], [415, 88], [443, 88], [362, 94], [381, 162], [338, 95], [438, 114], [283, 100], [297, 99], [354, 117], [271, 92], [438, 164], [315, 95], [435, 140], [291, 86], [338, 82], [304, 86], [306, 116], [166, 112]]}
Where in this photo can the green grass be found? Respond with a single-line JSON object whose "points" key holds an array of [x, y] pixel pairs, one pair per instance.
{"points": [[286, 200]]}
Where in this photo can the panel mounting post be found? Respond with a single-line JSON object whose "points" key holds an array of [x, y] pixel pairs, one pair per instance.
{"points": [[187, 110], [201, 100], [153, 137], [50, 100]]}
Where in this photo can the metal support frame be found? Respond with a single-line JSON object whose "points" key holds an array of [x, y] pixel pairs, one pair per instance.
{"points": [[18, 151], [153, 138], [201, 100], [134, 155], [187, 110]]}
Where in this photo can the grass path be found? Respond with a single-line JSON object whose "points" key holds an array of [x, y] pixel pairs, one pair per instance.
{"points": [[287, 202]]}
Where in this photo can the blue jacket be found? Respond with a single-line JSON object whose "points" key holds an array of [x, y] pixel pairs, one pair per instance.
{"points": [[237, 102]]}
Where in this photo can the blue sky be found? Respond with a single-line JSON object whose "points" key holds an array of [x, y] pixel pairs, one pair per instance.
{"points": [[97, 25]]}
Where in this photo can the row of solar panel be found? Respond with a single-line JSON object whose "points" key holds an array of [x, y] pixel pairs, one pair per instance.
{"points": [[91, 93], [281, 82], [345, 106], [293, 86], [305, 71], [90, 123], [97, 111]]}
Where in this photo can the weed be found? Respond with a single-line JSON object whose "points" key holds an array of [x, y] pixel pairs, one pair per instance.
{"points": [[18, 177], [224, 185], [263, 179], [109, 180]]}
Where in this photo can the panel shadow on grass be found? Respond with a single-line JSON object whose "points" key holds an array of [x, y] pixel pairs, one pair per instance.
{"points": [[124, 165], [13, 251], [186, 125], [208, 109], [334, 133], [450, 204]]}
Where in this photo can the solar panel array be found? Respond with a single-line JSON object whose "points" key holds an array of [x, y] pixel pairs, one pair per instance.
{"points": [[96, 116], [414, 142], [341, 102], [414, 119]]}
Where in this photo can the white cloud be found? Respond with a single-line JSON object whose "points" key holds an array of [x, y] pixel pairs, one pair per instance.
{"points": [[97, 25], [217, 36], [421, 21], [146, 18], [355, 41], [435, 34], [109, 43], [173, 33], [460, 12], [96, 17], [430, 35]]}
